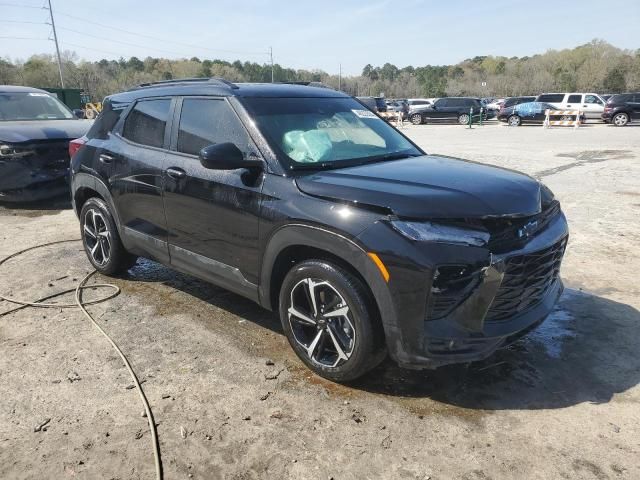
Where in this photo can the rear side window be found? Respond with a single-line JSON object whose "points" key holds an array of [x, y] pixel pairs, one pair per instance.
{"points": [[574, 99], [146, 123], [551, 98], [205, 122], [106, 120]]}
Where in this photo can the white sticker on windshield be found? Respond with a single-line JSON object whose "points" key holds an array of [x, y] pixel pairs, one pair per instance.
{"points": [[36, 94], [364, 113]]}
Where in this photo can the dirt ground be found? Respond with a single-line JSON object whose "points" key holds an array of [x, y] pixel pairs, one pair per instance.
{"points": [[563, 402]]}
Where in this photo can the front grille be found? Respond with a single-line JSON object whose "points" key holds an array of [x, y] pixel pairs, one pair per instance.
{"points": [[526, 280]]}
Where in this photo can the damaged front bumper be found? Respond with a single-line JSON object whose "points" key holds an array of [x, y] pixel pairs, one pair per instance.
{"points": [[33, 172], [498, 298]]}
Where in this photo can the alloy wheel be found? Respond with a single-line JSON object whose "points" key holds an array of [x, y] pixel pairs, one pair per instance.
{"points": [[620, 120], [514, 121], [97, 236], [416, 119], [463, 119], [321, 322]]}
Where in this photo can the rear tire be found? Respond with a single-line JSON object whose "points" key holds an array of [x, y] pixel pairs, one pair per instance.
{"points": [[101, 240], [330, 320], [416, 119], [620, 119]]}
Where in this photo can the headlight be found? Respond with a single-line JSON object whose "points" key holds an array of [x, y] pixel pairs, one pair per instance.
{"points": [[436, 232], [8, 151], [546, 194]]}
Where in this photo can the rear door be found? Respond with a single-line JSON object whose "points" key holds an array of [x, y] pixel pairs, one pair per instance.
{"points": [[634, 105], [138, 151], [573, 101], [212, 215]]}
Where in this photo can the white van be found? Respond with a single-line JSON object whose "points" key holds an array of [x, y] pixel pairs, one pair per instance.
{"points": [[591, 104]]}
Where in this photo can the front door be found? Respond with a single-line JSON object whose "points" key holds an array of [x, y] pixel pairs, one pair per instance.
{"points": [[212, 215], [593, 106]]}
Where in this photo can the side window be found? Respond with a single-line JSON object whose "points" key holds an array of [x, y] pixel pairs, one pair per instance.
{"points": [[592, 99], [551, 98], [205, 122], [443, 102], [575, 99], [146, 123], [106, 120]]}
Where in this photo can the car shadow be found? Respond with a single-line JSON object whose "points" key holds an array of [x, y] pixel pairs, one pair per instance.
{"points": [[37, 208], [586, 351]]}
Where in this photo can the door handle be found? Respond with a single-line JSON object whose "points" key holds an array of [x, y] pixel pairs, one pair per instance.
{"points": [[104, 158], [176, 173]]}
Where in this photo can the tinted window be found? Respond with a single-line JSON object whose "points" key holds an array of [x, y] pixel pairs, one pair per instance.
{"points": [[146, 123], [106, 120], [551, 97], [574, 99], [443, 102], [204, 122], [419, 102]]}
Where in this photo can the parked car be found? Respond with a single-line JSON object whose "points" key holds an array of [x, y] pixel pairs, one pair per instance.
{"points": [[35, 130], [302, 200], [370, 102], [418, 103], [448, 109], [511, 101], [622, 109], [589, 103], [530, 112], [495, 104], [398, 106]]}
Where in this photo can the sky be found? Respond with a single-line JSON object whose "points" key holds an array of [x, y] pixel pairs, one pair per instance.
{"points": [[320, 34]]}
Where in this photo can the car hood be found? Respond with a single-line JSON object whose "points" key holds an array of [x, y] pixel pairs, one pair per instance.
{"points": [[430, 187], [38, 130]]}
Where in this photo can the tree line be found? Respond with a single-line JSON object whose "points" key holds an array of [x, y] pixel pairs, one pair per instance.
{"points": [[594, 67]]}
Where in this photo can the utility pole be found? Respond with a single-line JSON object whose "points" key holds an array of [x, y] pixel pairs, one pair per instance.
{"points": [[271, 56], [55, 39], [340, 78]]}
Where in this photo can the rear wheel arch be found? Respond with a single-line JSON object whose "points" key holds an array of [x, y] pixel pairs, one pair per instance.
{"points": [[85, 186]]}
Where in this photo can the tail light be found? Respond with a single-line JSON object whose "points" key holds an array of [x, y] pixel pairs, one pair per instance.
{"points": [[74, 145], [608, 109]]}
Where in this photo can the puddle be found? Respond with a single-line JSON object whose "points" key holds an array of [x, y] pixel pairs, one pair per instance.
{"points": [[554, 331]]}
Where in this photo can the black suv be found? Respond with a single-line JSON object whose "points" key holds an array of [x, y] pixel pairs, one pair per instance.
{"points": [[305, 201], [449, 109], [622, 109]]}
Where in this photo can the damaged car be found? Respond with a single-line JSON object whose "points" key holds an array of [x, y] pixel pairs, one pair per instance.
{"points": [[303, 200], [35, 131]]}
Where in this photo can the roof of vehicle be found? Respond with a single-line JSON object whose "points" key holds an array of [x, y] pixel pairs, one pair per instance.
{"points": [[221, 87], [20, 89]]}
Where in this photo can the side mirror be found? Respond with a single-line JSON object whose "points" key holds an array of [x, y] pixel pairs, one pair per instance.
{"points": [[79, 113], [433, 105], [226, 156]]}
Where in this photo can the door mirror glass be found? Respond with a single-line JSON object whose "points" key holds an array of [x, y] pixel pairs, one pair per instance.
{"points": [[226, 156]]}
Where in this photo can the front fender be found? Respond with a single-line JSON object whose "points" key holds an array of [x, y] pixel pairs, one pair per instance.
{"points": [[334, 243]]}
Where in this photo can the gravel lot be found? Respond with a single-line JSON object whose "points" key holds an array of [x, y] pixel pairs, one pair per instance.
{"points": [[562, 403]]}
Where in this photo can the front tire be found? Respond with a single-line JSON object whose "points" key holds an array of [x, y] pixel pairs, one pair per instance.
{"points": [[330, 320], [464, 119], [101, 240], [416, 119], [514, 121], [620, 119]]}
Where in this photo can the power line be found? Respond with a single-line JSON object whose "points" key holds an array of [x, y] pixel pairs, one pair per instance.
{"points": [[109, 27], [24, 38], [21, 6], [21, 21]]}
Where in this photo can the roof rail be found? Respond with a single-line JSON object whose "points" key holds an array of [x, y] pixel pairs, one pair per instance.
{"points": [[219, 81], [309, 84]]}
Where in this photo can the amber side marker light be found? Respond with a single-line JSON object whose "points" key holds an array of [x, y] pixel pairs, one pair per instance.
{"points": [[383, 270]]}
